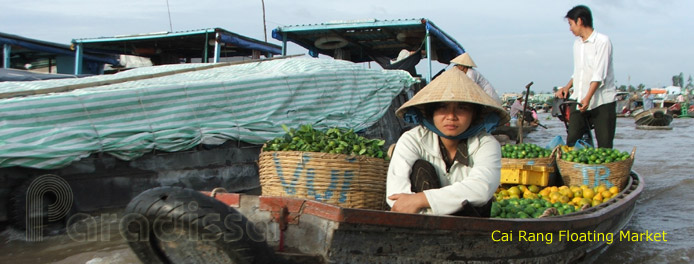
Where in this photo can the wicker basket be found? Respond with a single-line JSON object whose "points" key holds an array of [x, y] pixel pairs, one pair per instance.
{"points": [[611, 174], [347, 181]]}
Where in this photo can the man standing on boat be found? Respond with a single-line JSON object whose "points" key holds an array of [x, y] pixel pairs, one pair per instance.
{"points": [[464, 63], [516, 110], [592, 80], [647, 100]]}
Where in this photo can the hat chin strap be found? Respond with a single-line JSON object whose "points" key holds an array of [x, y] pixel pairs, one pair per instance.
{"points": [[489, 123]]}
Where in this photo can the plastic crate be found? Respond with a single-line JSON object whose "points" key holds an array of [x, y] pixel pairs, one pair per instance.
{"points": [[526, 174]]}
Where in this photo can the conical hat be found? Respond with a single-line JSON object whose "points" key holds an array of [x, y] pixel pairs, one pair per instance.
{"points": [[464, 59], [454, 86]]}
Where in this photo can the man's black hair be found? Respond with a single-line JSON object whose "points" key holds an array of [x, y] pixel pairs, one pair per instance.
{"points": [[582, 12]]}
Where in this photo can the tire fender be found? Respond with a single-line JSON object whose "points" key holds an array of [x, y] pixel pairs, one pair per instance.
{"points": [[178, 225]]}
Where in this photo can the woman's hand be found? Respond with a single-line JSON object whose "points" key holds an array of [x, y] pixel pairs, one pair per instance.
{"points": [[409, 203]]}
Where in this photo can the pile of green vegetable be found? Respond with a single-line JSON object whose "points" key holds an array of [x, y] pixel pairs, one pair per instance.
{"points": [[334, 140]]}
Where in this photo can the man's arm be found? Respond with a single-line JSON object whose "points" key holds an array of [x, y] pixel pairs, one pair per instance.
{"points": [[586, 100], [564, 91]]}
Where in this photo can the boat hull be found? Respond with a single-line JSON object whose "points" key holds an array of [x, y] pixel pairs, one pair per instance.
{"points": [[330, 234], [657, 117]]}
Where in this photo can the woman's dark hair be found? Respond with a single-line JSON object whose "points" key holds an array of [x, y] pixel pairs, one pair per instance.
{"points": [[582, 12]]}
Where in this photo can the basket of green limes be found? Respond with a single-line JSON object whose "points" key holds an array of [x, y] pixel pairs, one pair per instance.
{"points": [[335, 166], [526, 154], [595, 166]]}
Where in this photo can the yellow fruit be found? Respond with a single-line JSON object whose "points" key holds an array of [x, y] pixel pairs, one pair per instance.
{"points": [[544, 192], [588, 193], [575, 188], [522, 188], [614, 190], [578, 193], [529, 195], [606, 194], [564, 199], [534, 188], [503, 193], [601, 188], [554, 189], [567, 192], [595, 202], [585, 201], [583, 187], [576, 200], [555, 195], [514, 191], [514, 196], [597, 197], [563, 187]]}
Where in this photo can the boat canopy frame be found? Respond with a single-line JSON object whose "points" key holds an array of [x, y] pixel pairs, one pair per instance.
{"points": [[32, 49], [362, 40], [186, 44]]}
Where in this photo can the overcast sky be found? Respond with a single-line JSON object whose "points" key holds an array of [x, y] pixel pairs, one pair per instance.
{"points": [[512, 42]]}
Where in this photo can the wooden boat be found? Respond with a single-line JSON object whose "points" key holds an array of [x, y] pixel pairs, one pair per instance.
{"points": [[279, 229], [653, 118], [512, 131]]}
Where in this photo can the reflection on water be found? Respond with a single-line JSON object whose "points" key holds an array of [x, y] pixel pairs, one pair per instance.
{"points": [[663, 159]]}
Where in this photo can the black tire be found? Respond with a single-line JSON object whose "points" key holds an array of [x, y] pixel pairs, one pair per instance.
{"points": [[177, 225]]}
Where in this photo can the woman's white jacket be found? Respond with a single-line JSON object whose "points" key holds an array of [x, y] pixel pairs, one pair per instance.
{"points": [[475, 183]]}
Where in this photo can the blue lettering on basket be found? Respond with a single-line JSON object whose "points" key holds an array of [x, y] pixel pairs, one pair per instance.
{"points": [[290, 187], [328, 193], [595, 169], [346, 184]]}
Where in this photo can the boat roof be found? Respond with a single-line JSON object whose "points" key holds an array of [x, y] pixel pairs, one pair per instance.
{"points": [[51, 123], [28, 50], [366, 38], [182, 44]]}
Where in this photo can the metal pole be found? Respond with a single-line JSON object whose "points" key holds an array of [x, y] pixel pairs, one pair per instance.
{"points": [[428, 55], [284, 44], [6, 50], [264, 24], [78, 59], [217, 48]]}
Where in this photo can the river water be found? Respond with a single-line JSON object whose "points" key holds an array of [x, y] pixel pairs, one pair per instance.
{"points": [[665, 205]]}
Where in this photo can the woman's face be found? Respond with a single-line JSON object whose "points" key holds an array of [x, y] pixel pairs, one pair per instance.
{"points": [[453, 118]]}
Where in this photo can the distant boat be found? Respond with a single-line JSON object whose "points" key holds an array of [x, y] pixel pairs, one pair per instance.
{"points": [[654, 118]]}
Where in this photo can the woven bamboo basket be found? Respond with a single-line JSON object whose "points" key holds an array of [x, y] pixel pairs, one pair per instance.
{"points": [[343, 180], [610, 174]]}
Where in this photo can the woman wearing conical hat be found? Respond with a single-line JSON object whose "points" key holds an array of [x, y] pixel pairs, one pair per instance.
{"points": [[450, 159], [464, 63]]}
